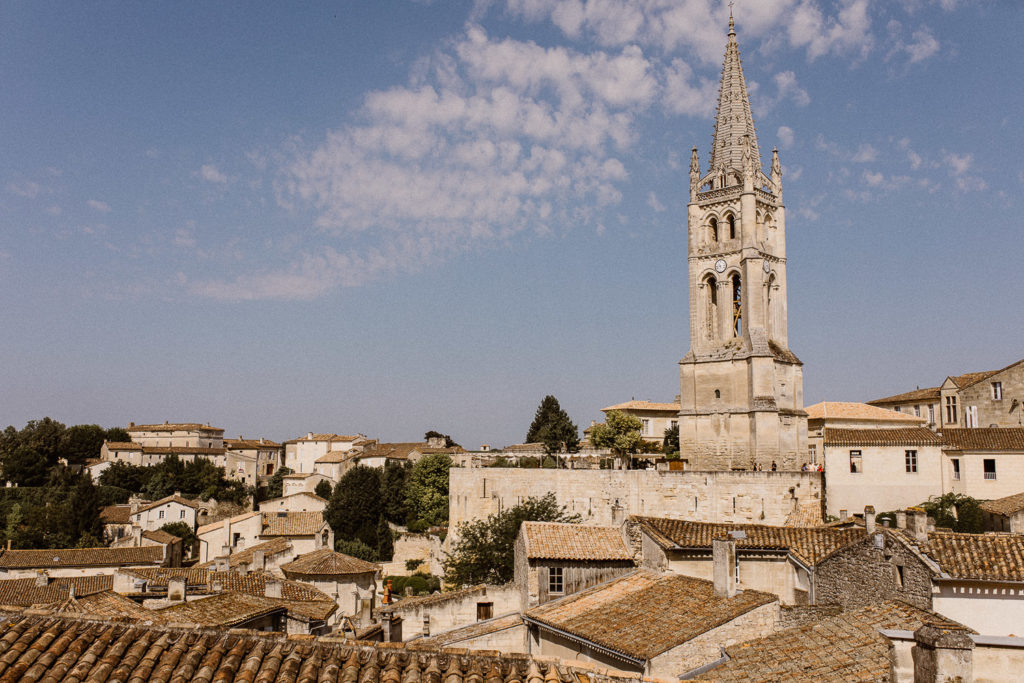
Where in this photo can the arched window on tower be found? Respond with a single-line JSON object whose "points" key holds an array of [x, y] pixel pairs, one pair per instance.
{"points": [[770, 305], [737, 306], [732, 227], [711, 307], [713, 232]]}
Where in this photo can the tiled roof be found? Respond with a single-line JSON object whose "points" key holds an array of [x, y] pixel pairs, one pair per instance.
{"points": [[983, 557], [556, 541], [173, 427], [292, 523], [123, 446], [967, 379], [68, 647], [25, 592], [221, 610], [809, 544], [324, 562], [116, 514], [274, 546], [419, 601], [250, 444], [846, 647], [182, 450], [644, 405], [329, 437], [335, 456], [458, 635], [107, 604], [160, 536], [395, 451], [984, 439], [80, 557], [643, 613], [847, 410], [1005, 506], [170, 499], [900, 436], [253, 583], [524, 448], [929, 394]]}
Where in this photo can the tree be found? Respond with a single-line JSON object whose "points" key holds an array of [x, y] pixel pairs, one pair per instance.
{"points": [[323, 489], [620, 432], [670, 444], [552, 427], [957, 512], [126, 476], [434, 434], [81, 442], [118, 435], [385, 541], [275, 487], [355, 549], [183, 531], [355, 508], [392, 491], [485, 550], [427, 490]]}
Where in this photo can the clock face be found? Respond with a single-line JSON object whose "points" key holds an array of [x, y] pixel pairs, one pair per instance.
{"points": [[767, 267], [720, 265]]}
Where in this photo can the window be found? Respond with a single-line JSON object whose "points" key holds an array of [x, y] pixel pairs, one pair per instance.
{"points": [[931, 414], [484, 610], [181, 515], [971, 416], [997, 391], [674, 424], [714, 230], [718, 393], [898, 409], [160, 514], [647, 426], [911, 460], [951, 409], [956, 469], [812, 452], [989, 465], [555, 584], [737, 306], [899, 576], [732, 227], [855, 462], [736, 568], [917, 411]]}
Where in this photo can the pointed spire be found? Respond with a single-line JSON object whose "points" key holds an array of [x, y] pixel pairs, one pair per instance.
{"points": [[733, 120]]}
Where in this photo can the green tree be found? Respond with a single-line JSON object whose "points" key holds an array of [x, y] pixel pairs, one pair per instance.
{"points": [[126, 476], [485, 550], [275, 487], [183, 531], [670, 444], [118, 435], [25, 466], [355, 508], [385, 541], [434, 434], [552, 427], [392, 491], [427, 489], [323, 489], [355, 549], [957, 512], [81, 442], [620, 433]]}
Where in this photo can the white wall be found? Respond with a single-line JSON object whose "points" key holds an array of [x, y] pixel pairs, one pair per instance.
{"points": [[883, 480], [991, 609]]}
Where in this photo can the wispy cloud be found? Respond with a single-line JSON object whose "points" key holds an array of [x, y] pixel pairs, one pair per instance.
{"points": [[97, 205], [652, 201], [210, 173], [25, 188], [785, 136]]}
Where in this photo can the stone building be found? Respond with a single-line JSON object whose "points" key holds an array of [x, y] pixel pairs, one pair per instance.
{"points": [[351, 582], [985, 463], [553, 559], [741, 388], [1005, 514], [849, 415], [427, 615], [655, 418]]}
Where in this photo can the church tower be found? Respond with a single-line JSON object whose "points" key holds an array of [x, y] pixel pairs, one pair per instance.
{"points": [[741, 388]]}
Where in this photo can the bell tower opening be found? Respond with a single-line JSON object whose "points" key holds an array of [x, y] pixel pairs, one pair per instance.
{"points": [[737, 306]]}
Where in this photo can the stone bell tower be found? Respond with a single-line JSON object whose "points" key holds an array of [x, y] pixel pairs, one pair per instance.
{"points": [[741, 388]]}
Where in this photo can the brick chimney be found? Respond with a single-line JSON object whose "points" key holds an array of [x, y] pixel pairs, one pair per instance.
{"points": [[869, 519], [723, 553]]}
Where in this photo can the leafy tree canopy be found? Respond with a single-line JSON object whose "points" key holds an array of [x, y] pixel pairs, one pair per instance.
{"points": [[183, 531], [619, 432], [275, 487], [426, 492], [448, 442], [552, 427], [393, 481], [199, 478], [355, 507], [355, 549], [485, 550], [670, 444], [323, 489], [957, 512], [27, 454]]}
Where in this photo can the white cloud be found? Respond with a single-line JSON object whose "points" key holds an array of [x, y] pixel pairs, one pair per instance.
{"points": [[788, 87], [25, 188], [97, 205], [865, 153], [652, 201], [873, 179], [924, 46], [210, 173], [54, 210], [786, 137], [184, 238], [958, 164], [683, 97]]}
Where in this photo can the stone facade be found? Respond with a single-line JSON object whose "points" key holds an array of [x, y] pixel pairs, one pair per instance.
{"points": [[607, 497], [863, 573], [434, 614], [741, 388]]}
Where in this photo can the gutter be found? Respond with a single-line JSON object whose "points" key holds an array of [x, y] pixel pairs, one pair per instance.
{"points": [[693, 673], [642, 663]]}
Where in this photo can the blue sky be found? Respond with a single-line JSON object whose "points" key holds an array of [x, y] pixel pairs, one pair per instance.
{"points": [[387, 217]]}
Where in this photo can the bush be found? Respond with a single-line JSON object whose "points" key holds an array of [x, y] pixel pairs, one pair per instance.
{"points": [[410, 565], [356, 549], [421, 583]]}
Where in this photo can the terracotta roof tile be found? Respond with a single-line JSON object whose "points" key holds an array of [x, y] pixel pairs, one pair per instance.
{"points": [[1005, 506], [182, 450], [69, 647], [203, 581], [556, 541], [846, 410], [929, 394], [220, 523], [984, 557], [195, 505], [984, 439], [644, 405], [809, 544], [123, 446], [292, 523], [250, 444], [643, 613], [173, 427], [271, 548], [967, 379], [900, 436], [221, 610], [80, 557], [846, 647], [25, 592], [161, 536], [107, 604], [116, 514], [326, 562], [336, 456]]}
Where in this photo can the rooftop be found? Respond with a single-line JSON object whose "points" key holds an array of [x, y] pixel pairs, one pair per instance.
{"points": [[306, 523], [25, 592], [809, 544], [116, 514], [241, 444], [1005, 506], [173, 427], [900, 436], [274, 546], [434, 598], [644, 614], [326, 562], [170, 499], [644, 405], [80, 557], [979, 557], [929, 394], [476, 630], [557, 541], [252, 583], [984, 439], [847, 410]]}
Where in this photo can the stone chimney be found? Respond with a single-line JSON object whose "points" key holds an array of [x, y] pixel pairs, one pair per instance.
{"points": [[176, 589], [843, 515], [273, 589], [942, 654], [869, 519], [136, 536], [42, 577], [259, 561], [309, 436], [917, 524], [221, 564], [901, 519], [723, 553]]}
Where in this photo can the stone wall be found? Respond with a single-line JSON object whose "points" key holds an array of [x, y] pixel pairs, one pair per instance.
{"points": [[861, 574], [992, 411], [606, 497], [447, 611], [794, 616], [408, 546]]}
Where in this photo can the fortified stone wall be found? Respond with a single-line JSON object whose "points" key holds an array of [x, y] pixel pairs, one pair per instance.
{"points": [[607, 497]]}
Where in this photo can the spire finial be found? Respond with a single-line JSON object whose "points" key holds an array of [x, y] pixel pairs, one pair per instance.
{"points": [[732, 24]]}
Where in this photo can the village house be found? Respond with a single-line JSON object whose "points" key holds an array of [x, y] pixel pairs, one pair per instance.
{"points": [[265, 455], [985, 463], [300, 455], [849, 415], [266, 556], [296, 502], [1005, 514], [292, 484], [553, 560], [43, 589], [173, 508], [171, 544], [18, 564], [349, 581], [305, 531], [421, 616]]}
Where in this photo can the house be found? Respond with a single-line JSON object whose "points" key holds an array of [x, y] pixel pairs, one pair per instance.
{"points": [[17, 564], [171, 544], [655, 418], [506, 633], [985, 463], [888, 468], [422, 616], [173, 508], [649, 623], [773, 559], [1005, 514], [296, 502], [144, 456], [300, 455], [554, 559], [302, 483], [993, 398], [305, 531], [268, 556], [117, 521], [44, 589], [265, 455], [177, 434], [351, 582], [849, 415]]}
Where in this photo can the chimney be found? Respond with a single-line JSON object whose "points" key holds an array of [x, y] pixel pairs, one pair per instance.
{"points": [[942, 653], [71, 591], [723, 553], [134, 504], [177, 494], [309, 436], [176, 589], [259, 561], [42, 577], [136, 536], [843, 514], [869, 519], [918, 524], [901, 519], [273, 589], [225, 550]]}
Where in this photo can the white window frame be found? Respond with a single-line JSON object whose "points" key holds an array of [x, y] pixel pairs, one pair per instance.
{"points": [[910, 460], [556, 577], [997, 391]]}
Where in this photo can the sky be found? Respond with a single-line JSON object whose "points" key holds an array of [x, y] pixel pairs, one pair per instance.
{"points": [[394, 216]]}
